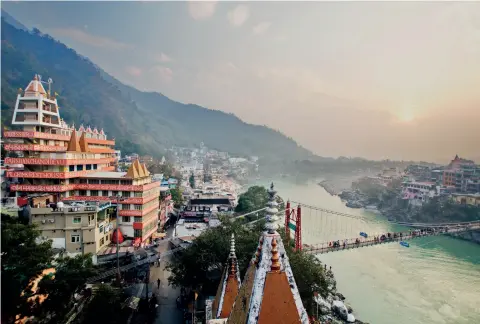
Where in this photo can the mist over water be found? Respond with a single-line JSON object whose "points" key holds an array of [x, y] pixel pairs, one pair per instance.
{"points": [[436, 280]]}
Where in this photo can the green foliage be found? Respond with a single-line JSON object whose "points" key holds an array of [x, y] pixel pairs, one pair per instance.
{"points": [[158, 168], [254, 198], [70, 276], [201, 264], [105, 306], [89, 95], [445, 210], [177, 196], [22, 260], [309, 273], [192, 181]]}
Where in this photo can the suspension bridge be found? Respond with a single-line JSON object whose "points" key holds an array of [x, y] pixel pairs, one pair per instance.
{"points": [[332, 231]]}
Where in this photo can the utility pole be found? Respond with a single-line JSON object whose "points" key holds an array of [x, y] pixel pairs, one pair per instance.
{"points": [[119, 198]]}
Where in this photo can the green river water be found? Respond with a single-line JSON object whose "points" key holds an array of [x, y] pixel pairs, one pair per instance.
{"points": [[436, 280]]}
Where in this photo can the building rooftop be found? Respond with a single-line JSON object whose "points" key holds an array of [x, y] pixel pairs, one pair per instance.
{"points": [[184, 229]]}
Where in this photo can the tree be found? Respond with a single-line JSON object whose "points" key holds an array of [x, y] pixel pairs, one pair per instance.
{"points": [[192, 181], [256, 197], [177, 197], [309, 274], [105, 306], [70, 276], [22, 260], [201, 264]]}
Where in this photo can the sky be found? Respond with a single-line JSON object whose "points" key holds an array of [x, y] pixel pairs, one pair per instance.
{"points": [[397, 80]]}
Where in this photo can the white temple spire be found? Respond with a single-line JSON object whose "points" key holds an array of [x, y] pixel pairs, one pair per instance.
{"points": [[271, 211]]}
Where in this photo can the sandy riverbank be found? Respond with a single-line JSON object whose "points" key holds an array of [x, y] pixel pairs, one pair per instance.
{"points": [[336, 184]]}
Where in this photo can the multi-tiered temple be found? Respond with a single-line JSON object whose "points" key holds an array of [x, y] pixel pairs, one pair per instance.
{"points": [[76, 164], [268, 293]]}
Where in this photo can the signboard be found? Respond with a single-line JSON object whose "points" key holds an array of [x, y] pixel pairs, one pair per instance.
{"points": [[292, 226], [208, 309]]}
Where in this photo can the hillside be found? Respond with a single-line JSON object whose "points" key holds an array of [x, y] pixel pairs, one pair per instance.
{"points": [[143, 122]]}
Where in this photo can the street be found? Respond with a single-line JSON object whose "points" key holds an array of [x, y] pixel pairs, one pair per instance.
{"points": [[167, 312]]}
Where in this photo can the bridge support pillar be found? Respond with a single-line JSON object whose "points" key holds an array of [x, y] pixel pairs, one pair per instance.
{"points": [[298, 231], [287, 221]]}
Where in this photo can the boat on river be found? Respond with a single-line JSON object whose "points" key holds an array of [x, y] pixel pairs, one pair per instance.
{"points": [[405, 244]]}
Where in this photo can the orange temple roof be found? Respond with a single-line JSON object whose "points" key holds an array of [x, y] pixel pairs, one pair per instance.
{"points": [[73, 144]]}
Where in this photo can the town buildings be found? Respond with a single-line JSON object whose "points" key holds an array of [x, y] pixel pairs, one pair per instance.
{"points": [[418, 193], [77, 164], [74, 228], [462, 174]]}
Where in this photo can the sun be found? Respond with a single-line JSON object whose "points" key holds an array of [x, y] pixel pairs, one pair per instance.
{"points": [[407, 114]]}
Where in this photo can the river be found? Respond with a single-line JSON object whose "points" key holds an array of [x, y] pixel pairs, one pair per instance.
{"points": [[436, 280]]}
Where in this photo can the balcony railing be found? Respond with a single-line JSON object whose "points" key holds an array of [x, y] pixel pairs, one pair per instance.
{"points": [[26, 118], [49, 109]]}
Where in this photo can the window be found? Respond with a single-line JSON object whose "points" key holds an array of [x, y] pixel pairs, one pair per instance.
{"points": [[138, 207], [95, 167], [137, 232], [137, 219], [125, 219], [105, 193], [88, 166], [93, 192], [82, 192], [71, 168], [75, 238], [77, 220], [80, 168], [100, 229], [102, 241]]}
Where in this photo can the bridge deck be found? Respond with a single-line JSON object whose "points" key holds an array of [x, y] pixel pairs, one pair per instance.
{"points": [[324, 248]]}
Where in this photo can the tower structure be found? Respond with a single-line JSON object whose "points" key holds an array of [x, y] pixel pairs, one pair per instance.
{"points": [[76, 164], [229, 285]]}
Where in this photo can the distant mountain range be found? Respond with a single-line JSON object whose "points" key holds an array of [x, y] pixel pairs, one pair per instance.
{"points": [[142, 122]]}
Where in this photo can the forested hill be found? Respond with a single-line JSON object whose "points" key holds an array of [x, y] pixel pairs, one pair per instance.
{"points": [[142, 122]]}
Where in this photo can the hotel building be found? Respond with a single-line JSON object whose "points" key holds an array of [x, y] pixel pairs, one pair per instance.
{"points": [[77, 164]]}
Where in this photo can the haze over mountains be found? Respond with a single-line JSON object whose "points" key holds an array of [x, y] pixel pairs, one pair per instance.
{"points": [[142, 122], [375, 80]]}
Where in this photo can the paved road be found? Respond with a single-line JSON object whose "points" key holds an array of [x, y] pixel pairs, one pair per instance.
{"points": [[167, 312]]}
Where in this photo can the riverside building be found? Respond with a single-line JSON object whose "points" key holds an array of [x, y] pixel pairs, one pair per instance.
{"points": [[77, 164]]}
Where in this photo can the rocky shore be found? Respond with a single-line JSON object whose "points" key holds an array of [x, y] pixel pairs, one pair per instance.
{"points": [[333, 309], [473, 236]]}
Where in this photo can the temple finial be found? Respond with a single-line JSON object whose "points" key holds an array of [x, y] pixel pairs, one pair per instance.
{"points": [[232, 257], [271, 211], [232, 247], [275, 258]]}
